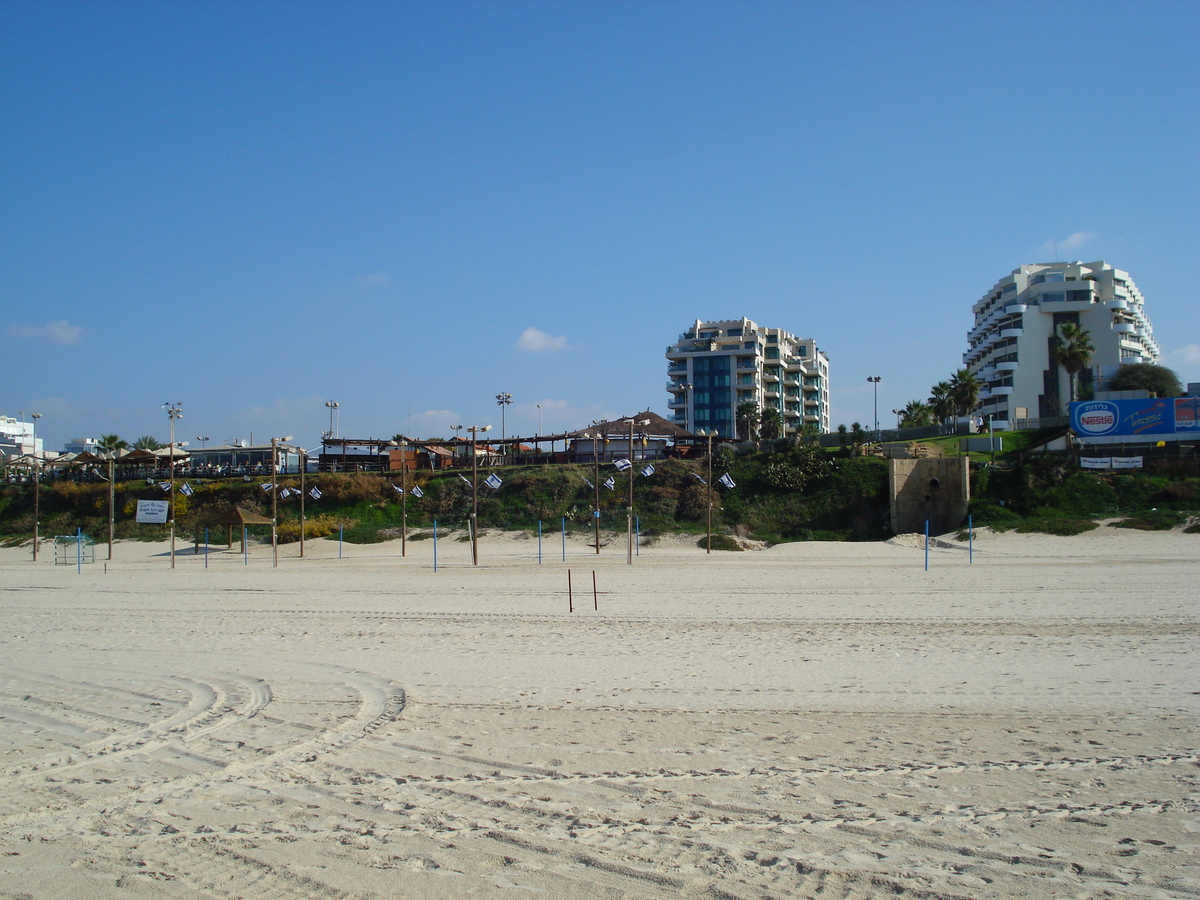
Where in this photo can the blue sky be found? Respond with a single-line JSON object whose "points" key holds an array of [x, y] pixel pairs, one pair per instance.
{"points": [[253, 208]]}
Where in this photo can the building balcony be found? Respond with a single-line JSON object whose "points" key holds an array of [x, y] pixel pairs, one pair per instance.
{"points": [[1006, 366], [1124, 328], [677, 403], [676, 386], [1010, 333], [1003, 391], [1016, 308], [1117, 303]]}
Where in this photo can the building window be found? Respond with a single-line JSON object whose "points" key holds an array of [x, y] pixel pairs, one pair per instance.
{"points": [[1053, 296], [1055, 276]]}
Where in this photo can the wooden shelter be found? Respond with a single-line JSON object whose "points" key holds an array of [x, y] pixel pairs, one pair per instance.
{"points": [[235, 515]]}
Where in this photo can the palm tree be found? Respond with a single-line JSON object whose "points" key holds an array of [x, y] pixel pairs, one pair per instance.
{"points": [[964, 391], [771, 424], [748, 420], [916, 414], [109, 444], [941, 402], [147, 442], [1073, 351]]}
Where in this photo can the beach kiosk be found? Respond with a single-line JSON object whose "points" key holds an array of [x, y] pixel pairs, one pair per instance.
{"points": [[234, 516]]}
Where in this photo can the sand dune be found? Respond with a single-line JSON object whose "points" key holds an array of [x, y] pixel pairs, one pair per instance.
{"points": [[808, 720]]}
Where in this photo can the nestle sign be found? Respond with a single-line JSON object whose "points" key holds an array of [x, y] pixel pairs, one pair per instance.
{"points": [[1094, 418]]}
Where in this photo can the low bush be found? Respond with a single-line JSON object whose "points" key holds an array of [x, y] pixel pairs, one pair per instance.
{"points": [[1155, 520], [1061, 527]]}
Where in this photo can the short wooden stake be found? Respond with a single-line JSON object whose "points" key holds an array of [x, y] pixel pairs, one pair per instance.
{"points": [[570, 597], [595, 599]]}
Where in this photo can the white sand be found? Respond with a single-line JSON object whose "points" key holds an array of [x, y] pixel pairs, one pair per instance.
{"points": [[813, 720]]}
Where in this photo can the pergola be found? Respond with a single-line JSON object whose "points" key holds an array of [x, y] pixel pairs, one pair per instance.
{"points": [[235, 515]]}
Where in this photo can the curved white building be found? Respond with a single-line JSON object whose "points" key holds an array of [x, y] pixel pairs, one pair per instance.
{"points": [[1014, 330]]}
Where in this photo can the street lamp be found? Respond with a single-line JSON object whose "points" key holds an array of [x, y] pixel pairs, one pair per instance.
{"points": [[899, 416], [334, 406], [37, 485], [475, 431], [403, 445], [174, 411], [632, 475], [503, 400], [203, 439], [709, 433], [596, 438], [275, 442], [875, 379], [303, 471]]}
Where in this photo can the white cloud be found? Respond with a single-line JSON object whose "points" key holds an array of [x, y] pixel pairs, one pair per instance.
{"points": [[1074, 242], [59, 332], [1185, 362], [534, 341]]}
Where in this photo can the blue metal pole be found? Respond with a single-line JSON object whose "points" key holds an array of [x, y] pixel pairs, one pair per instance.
{"points": [[206, 546], [637, 535], [245, 546], [970, 539], [78, 550], [539, 542], [341, 528], [435, 545], [926, 545], [564, 538]]}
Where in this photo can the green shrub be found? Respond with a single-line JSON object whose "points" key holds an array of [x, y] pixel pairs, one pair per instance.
{"points": [[1155, 520], [720, 542], [1062, 527]]}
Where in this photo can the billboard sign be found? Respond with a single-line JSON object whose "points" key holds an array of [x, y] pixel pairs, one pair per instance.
{"points": [[1156, 418], [152, 512]]}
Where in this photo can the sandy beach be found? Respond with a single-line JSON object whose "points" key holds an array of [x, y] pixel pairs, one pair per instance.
{"points": [[809, 720]]}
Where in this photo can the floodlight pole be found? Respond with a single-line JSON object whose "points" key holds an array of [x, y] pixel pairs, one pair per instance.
{"points": [[632, 475], [596, 485], [174, 411], [875, 379], [303, 470], [112, 491], [37, 486], [475, 430], [403, 499], [275, 441], [708, 543], [503, 400]]}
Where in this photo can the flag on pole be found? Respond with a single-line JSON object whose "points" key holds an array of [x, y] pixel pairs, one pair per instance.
{"points": [[466, 480], [648, 470], [588, 483], [165, 485], [266, 486], [315, 493], [186, 490], [726, 480], [493, 481], [610, 482], [623, 465], [416, 491], [397, 489], [699, 478]]}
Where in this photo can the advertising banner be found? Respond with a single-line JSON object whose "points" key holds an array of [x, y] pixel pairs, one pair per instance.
{"points": [[1158, 418], [153, 512]]}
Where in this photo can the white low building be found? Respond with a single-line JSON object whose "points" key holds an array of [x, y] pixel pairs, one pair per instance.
{"points": [[17, 438], [1015, 323]]}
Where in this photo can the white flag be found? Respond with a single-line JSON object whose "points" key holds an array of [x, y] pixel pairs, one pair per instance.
{"points": [[186, 490], [397, 489], [416, 491], [588, 483], [165, 485], [610, 482], [466, 480], [699, 478], [726, 480], [622, 465], [315, 493], [266, 486], [493, 481], [648, 470]]}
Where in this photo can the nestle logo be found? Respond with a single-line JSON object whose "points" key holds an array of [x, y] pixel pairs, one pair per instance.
{"points": [[1094, 419]]}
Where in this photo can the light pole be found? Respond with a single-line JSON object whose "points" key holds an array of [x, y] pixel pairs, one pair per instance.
{"points": [[303, 471], [475, 431], [899, 416], [275, 441], [174, 411], [538, 443], [334, 406], [403, 444], [503, 400], [596, 437], [875, 379], [632, 475], [37, 485], [709, 433], [203, 439]]}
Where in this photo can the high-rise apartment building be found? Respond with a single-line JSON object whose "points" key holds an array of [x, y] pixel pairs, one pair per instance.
{"points": [[1015, 324], [716, 366]]}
